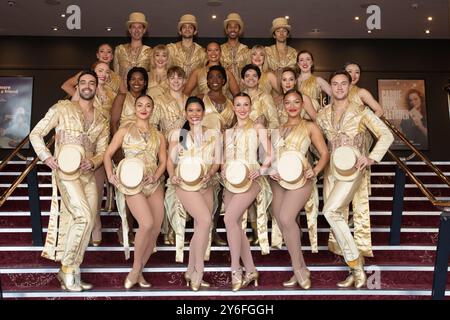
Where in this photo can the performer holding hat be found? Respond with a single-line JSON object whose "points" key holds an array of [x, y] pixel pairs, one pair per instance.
{"points": [[194, 158], [344, 125], [292, 180], [135, 53], [244, 182], [186, 53], [82, 134], [139, 177], [280, 55]]}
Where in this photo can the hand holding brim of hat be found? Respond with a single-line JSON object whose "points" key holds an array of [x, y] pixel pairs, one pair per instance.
{"points": [[176, 180], [310, 173], [206, 178], [275, 176], [149, 179], [51, 163], [363, 162], [86, 165], [114, 180]]}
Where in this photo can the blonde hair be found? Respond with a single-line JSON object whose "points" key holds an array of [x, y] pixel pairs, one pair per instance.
{"points": [[163, 48], [259, 47]]}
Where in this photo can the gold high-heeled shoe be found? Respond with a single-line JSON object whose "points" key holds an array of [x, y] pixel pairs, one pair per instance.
{"points": [[236, 280], [304, 283], [357, 269], [96, 243], [196, 280], [348, 282], [84, 285], [69, 281], [142, 282], [187, 278], [249, 277], [128, 284], [292, 282]]}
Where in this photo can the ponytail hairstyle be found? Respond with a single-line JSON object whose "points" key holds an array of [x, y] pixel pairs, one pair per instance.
{"points": [[185, 128]]}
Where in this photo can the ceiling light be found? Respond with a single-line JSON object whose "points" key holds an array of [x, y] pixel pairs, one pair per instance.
{"points": [[63, 15], [357, 18], [369, 31], [214, 16], [430, 18], [11, 3], [108, 29], [214, 3], [427, 31], [315, 30], [55, 28], [287, 17]]}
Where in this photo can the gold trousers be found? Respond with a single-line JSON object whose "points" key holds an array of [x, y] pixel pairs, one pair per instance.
{"points": [[337, 199], [78, 210]]}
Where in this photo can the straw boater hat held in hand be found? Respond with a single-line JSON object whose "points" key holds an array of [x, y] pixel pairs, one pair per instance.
{"points": [[343, 161], [291, 168], [137, 17], [234, 17], [236, 176], [191, 171], [280, 22], [190, 19], [69, 160], [130, 173]]}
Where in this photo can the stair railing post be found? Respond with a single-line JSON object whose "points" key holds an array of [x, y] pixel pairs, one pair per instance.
{"points": [[397, 208], [441, 262], [35, 208]]}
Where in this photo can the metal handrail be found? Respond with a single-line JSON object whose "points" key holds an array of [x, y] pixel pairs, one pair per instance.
{"points": [[443, 205], [27, 170]]}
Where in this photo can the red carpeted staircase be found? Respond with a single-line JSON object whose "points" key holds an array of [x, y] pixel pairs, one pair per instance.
{"points": [[396, 272]]}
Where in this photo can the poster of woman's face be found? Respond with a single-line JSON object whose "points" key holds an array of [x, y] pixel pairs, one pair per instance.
{"points": [[16, 95], [405, 106]]}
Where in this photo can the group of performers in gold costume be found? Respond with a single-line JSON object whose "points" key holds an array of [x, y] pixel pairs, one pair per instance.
{"points": [[234, 110]]}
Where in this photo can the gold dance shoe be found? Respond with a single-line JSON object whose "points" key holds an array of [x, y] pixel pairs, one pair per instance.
{"points": [[96, 243], [348, 282], [128, 284], [196, 280], [142, 282], [360, 277], [218, 241], [249, 277], [69, 281], [84, 285], [292, 282], [304, 283], [236, 280], [187, 277]]}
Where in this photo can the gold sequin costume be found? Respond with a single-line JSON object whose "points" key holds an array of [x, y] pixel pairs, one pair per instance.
{"points": [[69, 231], [175, 211], [202, 82], [351, 131], [242, 144], [114, 82], [225, 114], [168, 114], [235, 58], [128, 114], [296, 140], [124, 60], [275, 63], [157, 87], [311, 88], [187, 58], [263, 109], [104, 101]]}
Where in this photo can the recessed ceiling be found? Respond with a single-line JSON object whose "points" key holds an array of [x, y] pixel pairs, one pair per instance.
{"points": [[309, 18]]}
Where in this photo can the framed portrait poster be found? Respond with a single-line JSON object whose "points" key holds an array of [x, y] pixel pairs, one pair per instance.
{"points": [[404, 105], [16, 95]]}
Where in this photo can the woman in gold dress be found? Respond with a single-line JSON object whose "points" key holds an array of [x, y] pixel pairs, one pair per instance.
{"points": [[157, 76], [197, 82], [195, 140], [140, 140], [268, 81], [309, 84], [241, 143], [296, 134]]}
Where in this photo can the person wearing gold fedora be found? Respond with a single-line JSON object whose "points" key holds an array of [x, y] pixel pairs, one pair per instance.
{"points": [[235, 55], [280, 55], [82, 134], [194, 158], [135, 53], [244, 183], [345, 124], [144, 195], [186, 53], [292, 179]]}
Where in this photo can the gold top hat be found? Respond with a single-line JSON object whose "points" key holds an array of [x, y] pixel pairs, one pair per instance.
{"points": [[291, 167], [343, 161], [137, 17], [234, 17], [188, 18], [69, 160], [236, 173], [280, 22], [191, 170], [130, 173]]}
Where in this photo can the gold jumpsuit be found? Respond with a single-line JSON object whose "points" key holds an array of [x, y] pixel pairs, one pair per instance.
{"points": [[351, 131], [168, 114], [225, 114], [114, 82], [156, 87], [311, 88], [104, 102], [175, 211], [235, 58], [297, 140], [243, 144], [69, 231], [128, 114], [264, 110], [187, 58], [124, 60], [275, 63]]}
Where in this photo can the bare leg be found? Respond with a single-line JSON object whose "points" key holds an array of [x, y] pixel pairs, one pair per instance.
{"points": [[235, 205], [195, 204], [141, 211]]}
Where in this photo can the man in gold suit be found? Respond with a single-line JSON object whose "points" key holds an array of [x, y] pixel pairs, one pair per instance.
{"points": [[345, 125], [77, 126], [280, 55], [234, 55], [135, 53], [186, 53]]}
